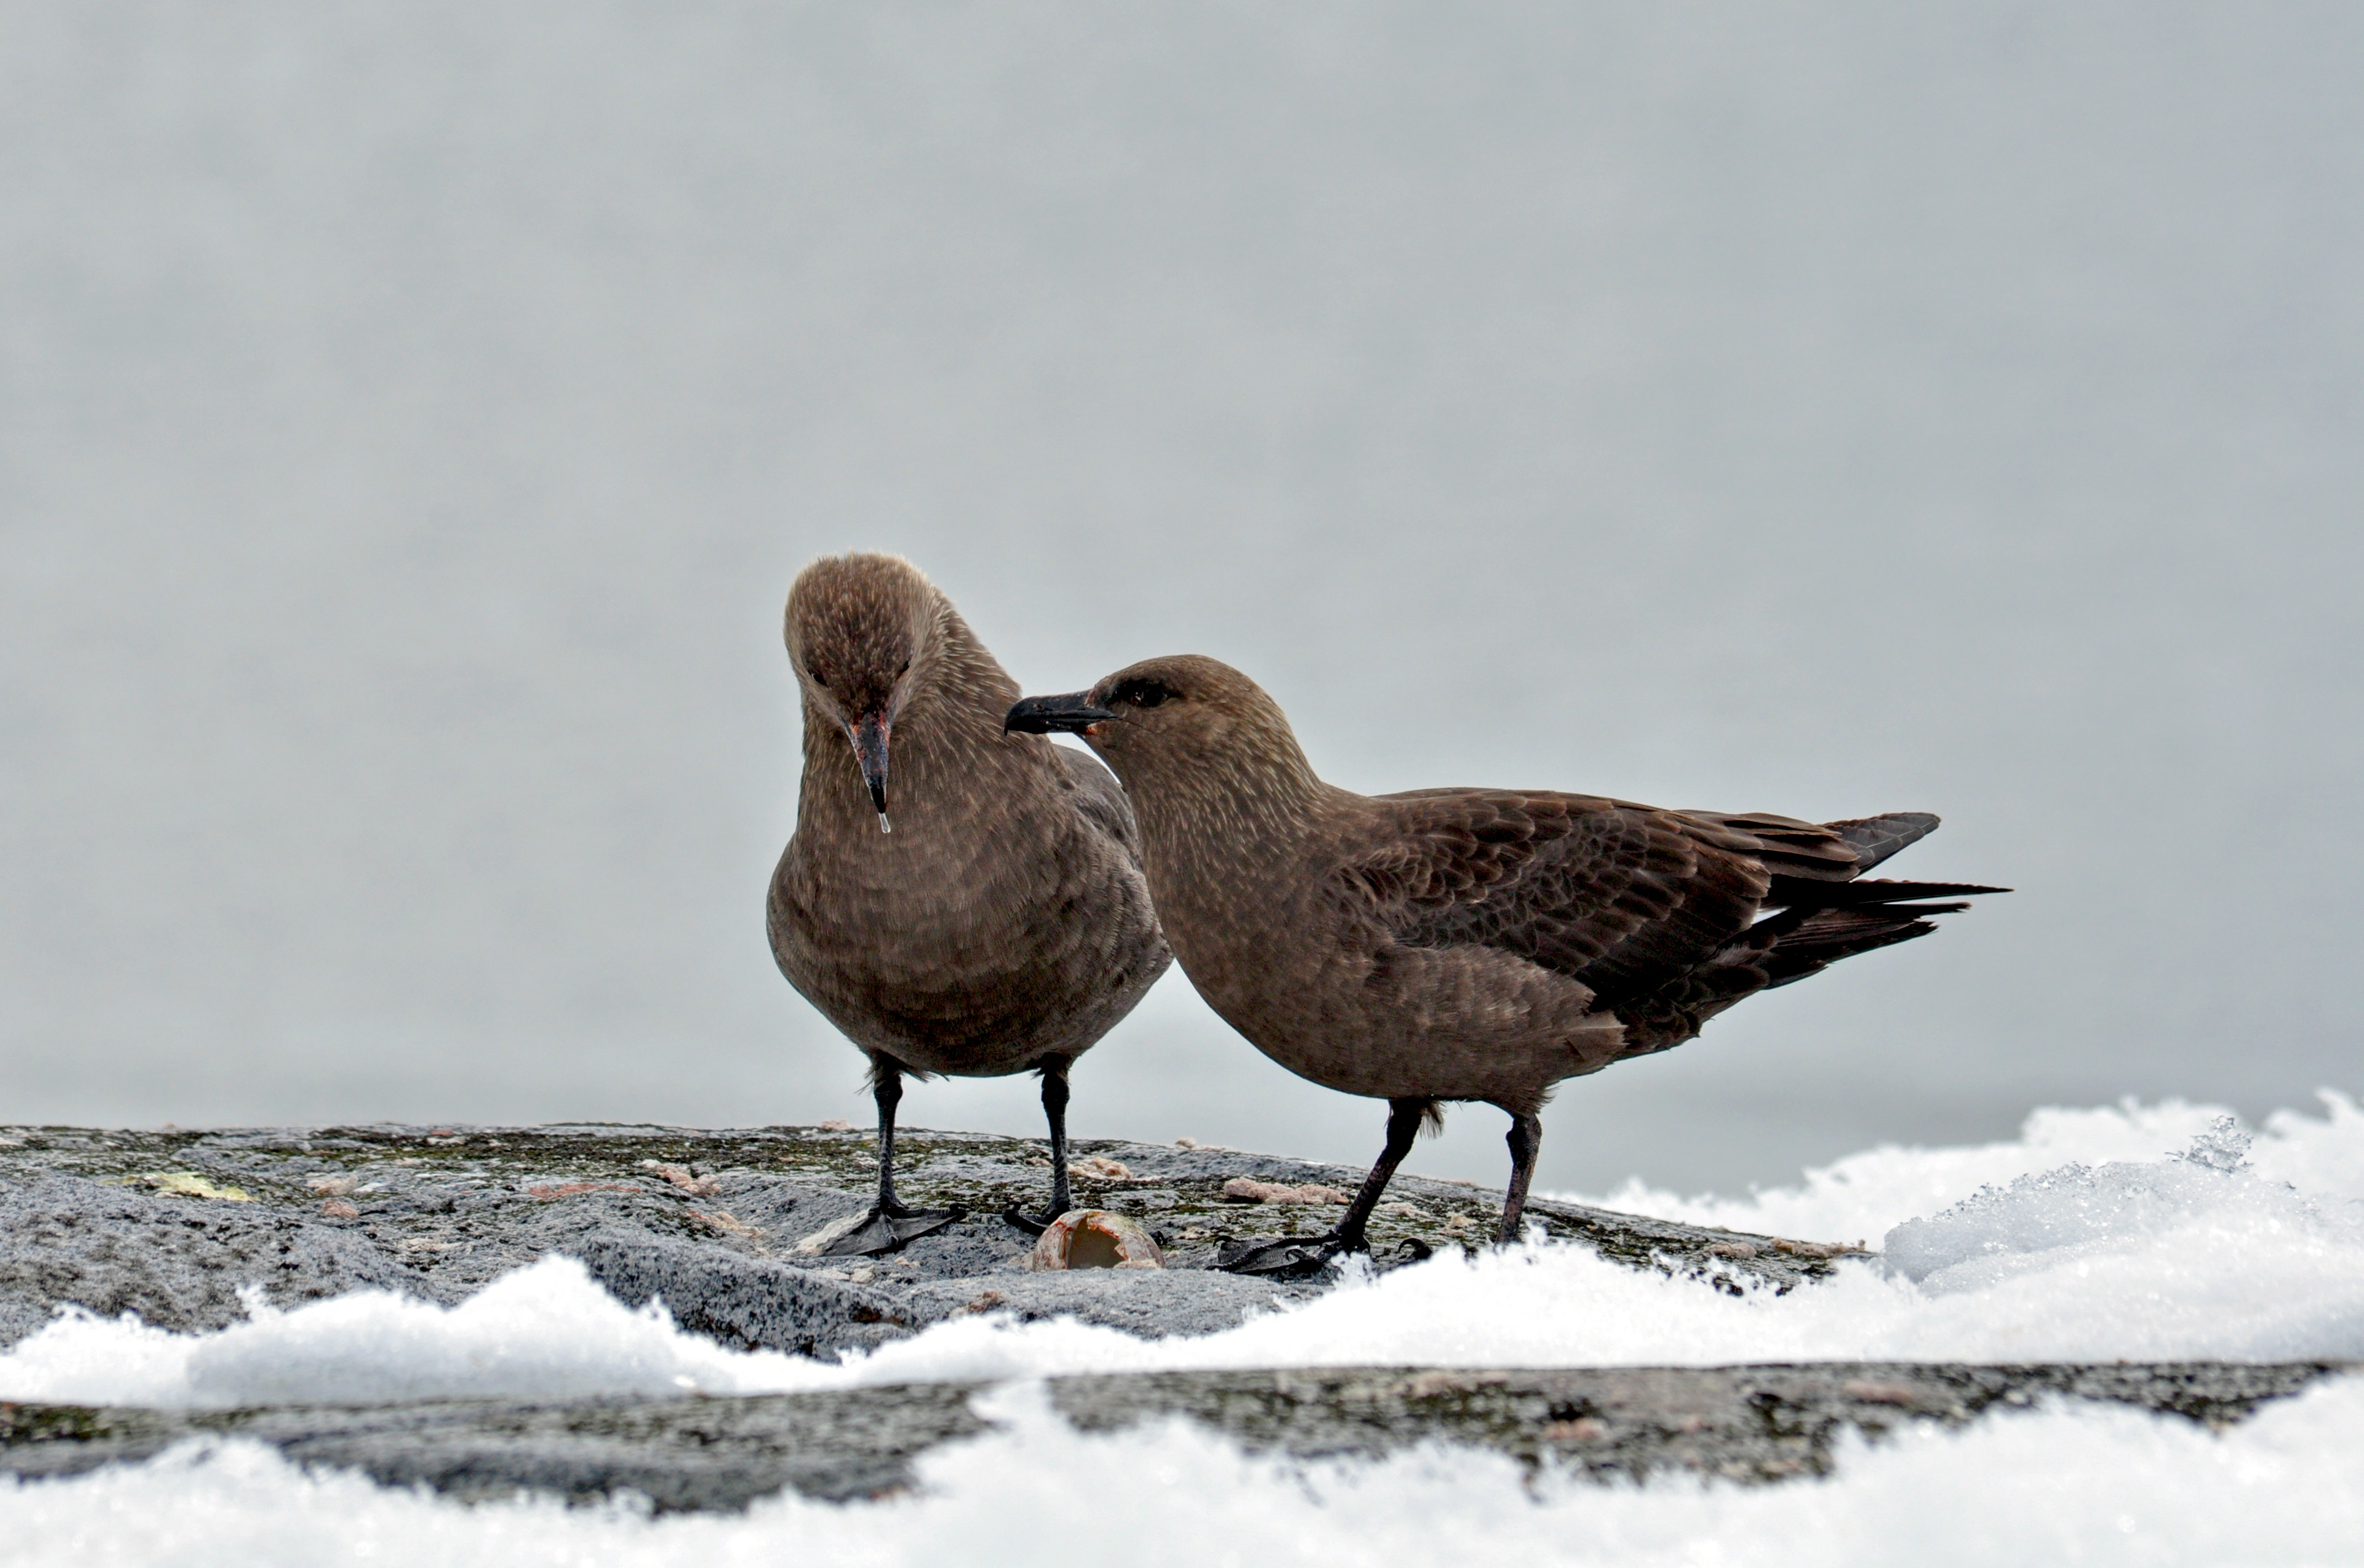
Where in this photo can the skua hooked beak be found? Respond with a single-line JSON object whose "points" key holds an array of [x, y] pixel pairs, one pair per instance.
{"points": [[1073, 713], [869, 736]]}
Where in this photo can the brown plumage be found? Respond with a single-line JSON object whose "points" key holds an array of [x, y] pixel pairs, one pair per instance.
{"points": [[957, 899], [1460, 944]]}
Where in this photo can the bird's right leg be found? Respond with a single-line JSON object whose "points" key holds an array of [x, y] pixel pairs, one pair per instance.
{"points": [[1054, 1111], [1526, 1139], [1292, 1255], [889, 1224]]}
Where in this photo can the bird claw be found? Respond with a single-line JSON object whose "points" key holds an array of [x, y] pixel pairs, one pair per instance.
{"points": [[1027, 1223], [886, 1232], [1289, 1257]]}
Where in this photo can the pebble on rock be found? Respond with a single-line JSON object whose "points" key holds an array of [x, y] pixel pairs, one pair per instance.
{"points": [[188, 1183], [1095, 1239], [548, 1192], [682, 1177], [729, 1224], [1247, 1189], [1816, 1249]]}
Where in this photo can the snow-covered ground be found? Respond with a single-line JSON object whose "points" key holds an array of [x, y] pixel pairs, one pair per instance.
{"points": [[2141, 1233]]}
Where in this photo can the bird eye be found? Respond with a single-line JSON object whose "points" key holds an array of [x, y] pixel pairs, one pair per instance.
{"points": [[1145, 694], [818, 679]]}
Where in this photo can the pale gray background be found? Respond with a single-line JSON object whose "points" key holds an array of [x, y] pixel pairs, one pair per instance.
{"points": [[413, 415]]}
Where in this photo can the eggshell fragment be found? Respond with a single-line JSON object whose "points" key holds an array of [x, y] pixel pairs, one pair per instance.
{"points": [[1096, 1239]]}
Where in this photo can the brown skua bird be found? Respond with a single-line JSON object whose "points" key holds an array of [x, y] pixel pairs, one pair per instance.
{"points": [[1460, 944], [980, 911]]}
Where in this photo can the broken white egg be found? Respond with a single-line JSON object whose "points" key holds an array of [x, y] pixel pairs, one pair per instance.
{"points": [[1096, 1239]]}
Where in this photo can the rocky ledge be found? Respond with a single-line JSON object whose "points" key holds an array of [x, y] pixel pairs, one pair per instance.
{"points": [[175, 1225], [722, 1225], [1749, 1424]]}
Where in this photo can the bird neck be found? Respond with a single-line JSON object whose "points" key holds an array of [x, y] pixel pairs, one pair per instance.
{"points": [[1248, 810]]}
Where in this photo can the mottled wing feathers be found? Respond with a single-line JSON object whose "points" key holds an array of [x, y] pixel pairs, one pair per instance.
{"points": [[1621, 898], [1789, 848], [1654, 912]]}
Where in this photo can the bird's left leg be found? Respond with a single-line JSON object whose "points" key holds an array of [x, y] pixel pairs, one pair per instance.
{"points": [[889, 1224], [1054, 1111], [1292, 1255], [1526, 1140]]}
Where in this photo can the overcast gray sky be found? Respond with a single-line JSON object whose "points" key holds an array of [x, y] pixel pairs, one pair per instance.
{"points": [[412, 417]]}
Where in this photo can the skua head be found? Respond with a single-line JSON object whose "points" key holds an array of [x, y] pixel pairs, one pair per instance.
{"points": [[862, 633], [1183, 710]]}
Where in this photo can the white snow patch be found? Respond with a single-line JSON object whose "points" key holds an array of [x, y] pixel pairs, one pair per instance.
{"points": [[546, 1331], [2070, 1482], [1864, 1195]]}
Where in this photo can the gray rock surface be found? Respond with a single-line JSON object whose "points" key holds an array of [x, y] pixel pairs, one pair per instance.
{"points": [[711, 1221], [1747, 1425], [745, 1303], [679, 1453], [178, 1262], [1152, 1303]]}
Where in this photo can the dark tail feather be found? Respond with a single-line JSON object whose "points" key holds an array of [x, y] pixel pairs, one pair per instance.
{"points": [[1825, 936], [1788, 891], [1826, 851], [1874, 838], [1823, 915]]}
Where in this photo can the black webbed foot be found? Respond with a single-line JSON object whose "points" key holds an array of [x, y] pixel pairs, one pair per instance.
{"points": [[1288, 1257], [1033, 1225], [888, 1229]]}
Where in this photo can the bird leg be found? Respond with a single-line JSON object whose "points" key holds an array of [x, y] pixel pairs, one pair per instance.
{"points": [[1526, 1139], [1303, 1255], [889, 1224], [1054, 1111]]}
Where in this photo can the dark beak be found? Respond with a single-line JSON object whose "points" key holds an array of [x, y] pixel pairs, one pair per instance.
{"points": [[1074, 714], [869, 735]]}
